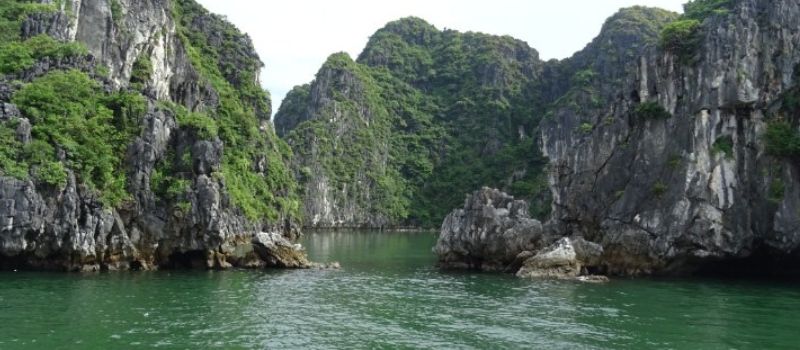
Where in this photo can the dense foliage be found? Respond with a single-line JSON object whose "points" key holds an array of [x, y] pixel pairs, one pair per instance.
{"points": [[651, 110], [230, 67], [782, 139], [682, 37], [448, 112], [702, 9], [13, 12], [77, 126]]}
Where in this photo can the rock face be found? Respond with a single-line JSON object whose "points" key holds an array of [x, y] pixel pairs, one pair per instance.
{"points": [[203, 219], [675, 162], [341, 158], [488, 233], [680, 193]]}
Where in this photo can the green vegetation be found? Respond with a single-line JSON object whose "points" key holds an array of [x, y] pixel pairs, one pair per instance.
{"points": [[724, 145], [17, 56], [168, 179], [237, 120], [659, 188], [701, 9], [584, 77], [586, 128], [783, 140], [682, 37], [424, 127], [13, 12], [142, 71], [116, 12], [651, 110], [69, 112], [675, 161], [777, 191], [205, 126]]}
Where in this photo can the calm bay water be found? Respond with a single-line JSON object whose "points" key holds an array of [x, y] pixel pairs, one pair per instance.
{"points": [[387, 295]]}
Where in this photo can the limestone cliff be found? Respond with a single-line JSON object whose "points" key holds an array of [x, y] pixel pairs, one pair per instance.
{"points": [[138, 137], [672, 170], [421, 117], [675, 153]]}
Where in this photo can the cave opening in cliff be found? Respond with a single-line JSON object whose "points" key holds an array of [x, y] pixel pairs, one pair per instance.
{"points": [[192, 259], [762, 264]]}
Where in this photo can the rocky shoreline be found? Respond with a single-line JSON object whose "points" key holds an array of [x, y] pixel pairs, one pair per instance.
{"points": [[494, 232]]}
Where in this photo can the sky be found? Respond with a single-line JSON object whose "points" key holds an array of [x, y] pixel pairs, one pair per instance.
{"points": [[295, 37]]}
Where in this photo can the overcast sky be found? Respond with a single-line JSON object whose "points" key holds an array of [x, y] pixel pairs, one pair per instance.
{"points": [[294, 37]]}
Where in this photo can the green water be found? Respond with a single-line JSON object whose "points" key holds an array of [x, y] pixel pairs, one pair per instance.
{"points": [[388, 295]]}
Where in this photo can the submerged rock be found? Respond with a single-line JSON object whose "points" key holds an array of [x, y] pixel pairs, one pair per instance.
{"points": [[488, 233]]}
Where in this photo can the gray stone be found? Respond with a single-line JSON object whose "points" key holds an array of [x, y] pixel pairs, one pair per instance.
{"points": [[69, 228], [567, 258], [488, 233], [655, 193]]}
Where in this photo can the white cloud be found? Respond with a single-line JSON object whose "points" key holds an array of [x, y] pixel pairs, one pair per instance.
{"points": [[295, 37]]}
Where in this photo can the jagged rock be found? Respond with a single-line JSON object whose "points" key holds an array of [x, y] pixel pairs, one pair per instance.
{"points": [[69, 228], [206, 156], [567, 258], [660, 195], [278, 251], [23, 132], [488, 233], [8, 110]]}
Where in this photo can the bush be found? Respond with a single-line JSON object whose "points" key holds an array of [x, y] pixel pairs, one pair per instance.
{"points": [[724, 145], [15, 57], [205, 126], [44, 46], [782, 139], [10, 153], [681, 38], [142, 72], [584, 77], [651, 110], [13, 12], [586, 128], [777, 190], [51, 173], [702, 9], [18, 56], [659, 188]]}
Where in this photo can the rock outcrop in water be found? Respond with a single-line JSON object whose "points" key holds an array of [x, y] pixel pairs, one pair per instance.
{"points": [[494, 232], [488, 233], [187, 171]]}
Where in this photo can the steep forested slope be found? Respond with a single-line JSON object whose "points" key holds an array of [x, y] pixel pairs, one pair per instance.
{"points": [[456, 111]]}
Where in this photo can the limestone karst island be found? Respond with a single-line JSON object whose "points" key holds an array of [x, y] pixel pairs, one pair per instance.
{"points": [[419, 177]]}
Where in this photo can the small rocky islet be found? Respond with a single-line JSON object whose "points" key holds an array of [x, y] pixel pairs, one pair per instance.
{"points": [[669, 145]]}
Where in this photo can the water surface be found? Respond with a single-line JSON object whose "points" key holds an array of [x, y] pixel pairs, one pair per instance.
{"points": [[388, 295]]}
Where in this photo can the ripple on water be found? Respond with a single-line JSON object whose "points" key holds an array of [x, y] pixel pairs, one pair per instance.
{"points": [[388, 295]]}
